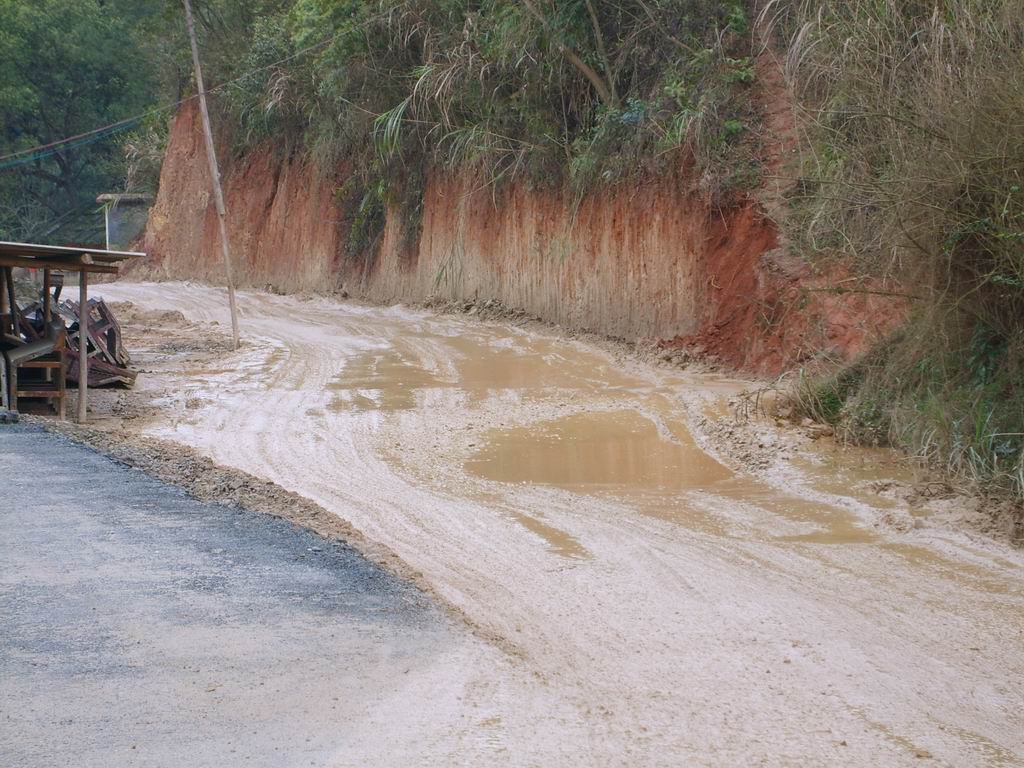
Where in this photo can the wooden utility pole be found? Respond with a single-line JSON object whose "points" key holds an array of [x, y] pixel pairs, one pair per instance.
{"points": [[211, 156]]}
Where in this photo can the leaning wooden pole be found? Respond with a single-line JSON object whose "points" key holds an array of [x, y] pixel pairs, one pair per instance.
{"points": [[211, 156]]}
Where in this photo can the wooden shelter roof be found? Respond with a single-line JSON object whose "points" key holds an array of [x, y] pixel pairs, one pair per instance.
{"points": [[38, 256], [63, 259]]}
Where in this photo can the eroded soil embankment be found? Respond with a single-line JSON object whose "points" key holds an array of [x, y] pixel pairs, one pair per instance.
{"points": [[670, 605], [647, 262]]}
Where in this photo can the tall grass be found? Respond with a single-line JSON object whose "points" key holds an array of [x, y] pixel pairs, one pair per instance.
{"points": [[580, 94], [913, 172]]}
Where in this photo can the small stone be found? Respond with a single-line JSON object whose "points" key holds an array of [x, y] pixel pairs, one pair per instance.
{"points": [[820, 430]]}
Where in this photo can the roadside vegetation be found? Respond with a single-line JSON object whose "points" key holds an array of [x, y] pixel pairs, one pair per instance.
{"points": [[66, 68], [913, 174], [911, 126], [577, 94]]}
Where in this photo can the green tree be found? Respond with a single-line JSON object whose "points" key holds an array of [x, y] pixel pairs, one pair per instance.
{"points": [[67, 67]]}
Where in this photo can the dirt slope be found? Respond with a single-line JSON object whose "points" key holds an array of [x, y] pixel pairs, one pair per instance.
{"points": [[653, 262]]}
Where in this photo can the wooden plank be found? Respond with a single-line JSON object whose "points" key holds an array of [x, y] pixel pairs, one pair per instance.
{"points": [[46, 297], [64, 266], [36, 250], [41, 364], [62, 384], [11, 300]]}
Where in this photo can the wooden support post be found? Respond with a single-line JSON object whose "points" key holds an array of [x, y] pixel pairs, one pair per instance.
{"points": [[83, 344], [62, 383], [4, 384], [3, 300], [47, 374], [46, 297], [12, 300], [211, 157]]}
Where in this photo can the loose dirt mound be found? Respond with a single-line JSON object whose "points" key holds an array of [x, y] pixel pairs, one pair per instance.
{"points": [[140, 319]]}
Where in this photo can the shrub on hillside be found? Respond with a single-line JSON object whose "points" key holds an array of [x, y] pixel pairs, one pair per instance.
{"points": [[914, 173]]}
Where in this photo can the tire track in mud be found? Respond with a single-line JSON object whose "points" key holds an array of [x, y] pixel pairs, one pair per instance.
{"points": [[690, 629]]}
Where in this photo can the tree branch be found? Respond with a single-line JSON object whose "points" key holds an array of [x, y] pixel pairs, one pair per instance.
{"points": [[599, 36], [603, 91]]}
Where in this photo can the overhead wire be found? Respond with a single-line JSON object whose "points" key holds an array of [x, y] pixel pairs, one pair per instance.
{"points": [[16, 159]]}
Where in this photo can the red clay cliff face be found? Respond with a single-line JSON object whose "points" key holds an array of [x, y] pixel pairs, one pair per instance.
{"points": [[281, 218], [767, 311], [646, 263]]}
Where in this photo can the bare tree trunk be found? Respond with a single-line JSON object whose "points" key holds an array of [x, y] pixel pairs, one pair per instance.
{"points": [[609, 71]]}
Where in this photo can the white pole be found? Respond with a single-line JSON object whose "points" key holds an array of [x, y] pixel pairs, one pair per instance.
{"points": [[211, 156]]}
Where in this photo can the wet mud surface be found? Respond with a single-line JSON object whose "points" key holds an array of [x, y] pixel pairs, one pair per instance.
{"points": [[666, 586]]}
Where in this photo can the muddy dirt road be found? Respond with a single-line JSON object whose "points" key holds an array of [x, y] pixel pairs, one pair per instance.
{"points": [[654, 604]]}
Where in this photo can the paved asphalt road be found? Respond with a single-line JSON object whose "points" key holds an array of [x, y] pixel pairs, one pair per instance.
{"points": [[143, 627]]}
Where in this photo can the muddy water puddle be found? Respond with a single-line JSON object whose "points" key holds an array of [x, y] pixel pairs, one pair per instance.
{"points": [[593, 452], [380, 380], [560, 542], [619, 452], [641, 455], [864, 474], [831, 524], [653, 465], [531, 364], [394, 378], [968, 575]]}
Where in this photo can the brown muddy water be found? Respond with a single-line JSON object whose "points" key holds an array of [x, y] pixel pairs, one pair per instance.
{"points": [[649, 462], [650, 601], [618, 451]]}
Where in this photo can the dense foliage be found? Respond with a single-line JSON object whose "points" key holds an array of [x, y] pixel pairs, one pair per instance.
{"points": [[914, 175], [66, 67], [586, 91]]}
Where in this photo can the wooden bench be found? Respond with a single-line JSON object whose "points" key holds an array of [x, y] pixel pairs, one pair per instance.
{"points": [[48, 354]]}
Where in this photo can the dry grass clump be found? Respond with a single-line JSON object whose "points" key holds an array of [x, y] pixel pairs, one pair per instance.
{"points": [[913, 172]]}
